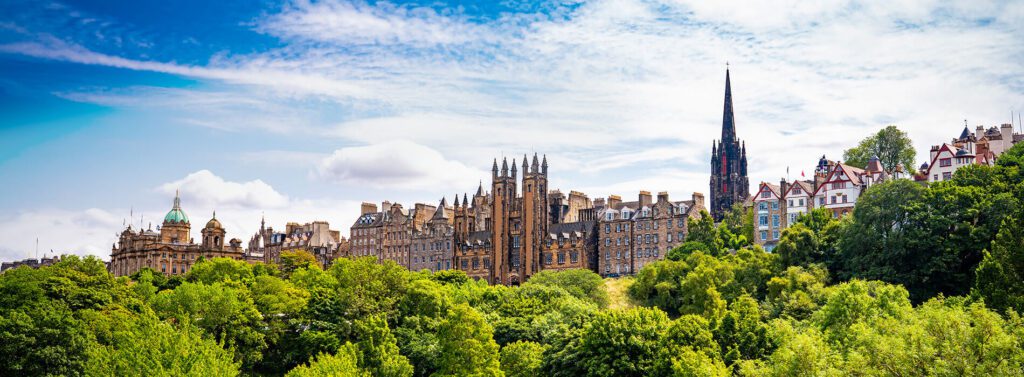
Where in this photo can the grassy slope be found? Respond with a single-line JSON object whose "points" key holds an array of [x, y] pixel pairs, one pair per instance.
{"points": [[618, 297]]}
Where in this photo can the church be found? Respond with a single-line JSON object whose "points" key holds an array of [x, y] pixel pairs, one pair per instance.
{"points": [[729, 183], [170, 249]]}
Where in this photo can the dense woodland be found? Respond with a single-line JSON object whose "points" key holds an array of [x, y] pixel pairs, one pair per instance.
{"points": [[918, 281]]}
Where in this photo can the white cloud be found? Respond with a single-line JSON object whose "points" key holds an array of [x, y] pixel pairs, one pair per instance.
{"points": [[396, 164], [207, 189], [86, 232]]}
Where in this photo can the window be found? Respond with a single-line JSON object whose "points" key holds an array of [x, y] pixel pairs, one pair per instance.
{"points": [[946, 176], [775, 221], [607, 228], [574, 257], [561, 258], [945, 162], [476, 263], [607, 241], [801, 202], [790, 203], [775, 234], [766, 194], [821, 201], [838, 185], [935, 177], [775, 204], [670, 237], [547, 258], [762, 206], [762, 220], [833, 200], [669, 223], [764, 235]]}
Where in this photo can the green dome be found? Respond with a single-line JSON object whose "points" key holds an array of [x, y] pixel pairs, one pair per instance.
{"points": [[176, 215]]}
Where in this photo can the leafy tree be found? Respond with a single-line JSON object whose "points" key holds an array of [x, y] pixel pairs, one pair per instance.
{"points": [[703, 230], [1000, 276], [467, 346], [797, 293], [209, 271], [686, 248], [739, 221], [798, 246], [857, 301], [378, 352], [617, 343], [891, 145], [345, 363], [741, 334], [149, 347], [226, 313], [43, 340], [522, 359], [292, 260], [580, 283]]}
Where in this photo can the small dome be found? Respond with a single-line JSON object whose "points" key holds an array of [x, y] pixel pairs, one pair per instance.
{"points": [[924, 166], [962, 152], [213, 223]]}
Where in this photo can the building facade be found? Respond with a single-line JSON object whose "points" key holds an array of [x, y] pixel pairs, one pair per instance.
{"points": [[729, 184], [634, 234], [171, 249]]}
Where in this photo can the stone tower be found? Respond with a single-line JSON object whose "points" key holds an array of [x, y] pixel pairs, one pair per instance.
{"points": [[729, 183], [534, 215], [213, 234], [503, 188], [176, 227]]}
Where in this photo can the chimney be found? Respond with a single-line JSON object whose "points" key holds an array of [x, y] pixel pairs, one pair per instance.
{"points": [[663, 196], [698, 199], [385, 205], [367, 208], [645, 198], [614, 200]]}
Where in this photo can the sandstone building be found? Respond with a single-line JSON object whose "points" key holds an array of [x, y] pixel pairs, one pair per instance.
{"points": [[171, 249]]}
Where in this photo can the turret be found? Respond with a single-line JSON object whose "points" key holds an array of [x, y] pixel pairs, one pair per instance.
{"points": [[494, 170], [544, 166], [514, 168], [504, 167], [536, 164]]}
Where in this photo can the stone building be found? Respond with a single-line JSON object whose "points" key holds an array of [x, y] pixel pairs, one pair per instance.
{"points": [[770, 207], [634, 234], [729, 182], [171, 249], [431, 245], [571, 245], [316, 237]]}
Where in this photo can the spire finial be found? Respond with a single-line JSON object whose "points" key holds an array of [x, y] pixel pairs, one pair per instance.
{"points": [[177, 199], [214, 214]]}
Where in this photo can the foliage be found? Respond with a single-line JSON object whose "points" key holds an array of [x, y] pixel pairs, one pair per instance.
{"points": [[466, 345], [798, 246], [580, 283], [292, 260], [522, 359], [342, 364], [150, 347], [891, 145], [1000, 276], [702, 229]]}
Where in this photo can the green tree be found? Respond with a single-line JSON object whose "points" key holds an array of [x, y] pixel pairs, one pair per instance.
{"points": [[149, 347], [522, 359], [580, 283], [1000, 275], [344, 363], [798, 246], [702, 229], [227, 313], [467, 347], [891, 145], [378, 352], [209, 271], [615, 343], [686, 248], [740, 223], [295, 259], [797, 293]]}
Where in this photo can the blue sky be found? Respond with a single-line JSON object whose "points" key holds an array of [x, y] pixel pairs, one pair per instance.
{"points": [[301, 110]]}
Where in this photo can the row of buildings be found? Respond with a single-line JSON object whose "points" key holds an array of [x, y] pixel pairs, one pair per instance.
{"points": [[837, 186]]}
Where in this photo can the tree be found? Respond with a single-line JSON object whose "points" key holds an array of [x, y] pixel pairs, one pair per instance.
{"points": [[149, 347], [798, 246], [891, 145], [618, 343], [741, 334], [467, 347], [580, 283], [686, 248], [522, 359], [1000, 275], [378, 352], [292, 260], [740, 222], [227, 313], [703, 230], [344, 363], [209, 271]]}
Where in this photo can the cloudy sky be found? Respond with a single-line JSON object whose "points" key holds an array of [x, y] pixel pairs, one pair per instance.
{"points": [[301, 110]]}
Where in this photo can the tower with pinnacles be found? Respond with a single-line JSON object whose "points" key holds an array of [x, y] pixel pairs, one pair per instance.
{"points": [[729, 184]]}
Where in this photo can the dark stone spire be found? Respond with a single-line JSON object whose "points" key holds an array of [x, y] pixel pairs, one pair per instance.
{"points": [[729, 184], [456, 200], [536, 164], [513, 168], [544, 165], [504, 167], [480, 189], [465, 201], [728, 121], [494, 170]]}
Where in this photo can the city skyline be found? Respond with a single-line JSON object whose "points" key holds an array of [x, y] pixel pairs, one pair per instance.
{"points": [[302, 111]]}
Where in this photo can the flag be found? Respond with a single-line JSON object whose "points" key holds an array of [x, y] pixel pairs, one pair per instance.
{"points": [[802, 173]]}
